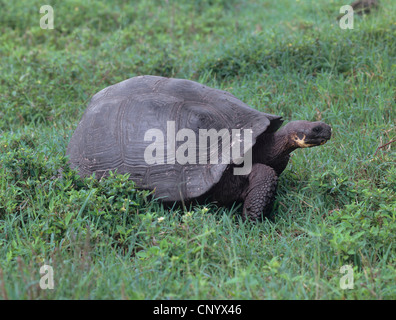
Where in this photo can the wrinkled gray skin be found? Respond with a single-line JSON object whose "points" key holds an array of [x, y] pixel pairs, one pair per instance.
{"points": [[110, 137]]}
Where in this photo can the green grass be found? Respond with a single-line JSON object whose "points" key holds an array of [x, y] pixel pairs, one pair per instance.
{"points": [[335, 204]]}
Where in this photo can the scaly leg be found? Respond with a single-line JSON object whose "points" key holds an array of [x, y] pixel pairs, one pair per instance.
{"points": [[260, 193]]}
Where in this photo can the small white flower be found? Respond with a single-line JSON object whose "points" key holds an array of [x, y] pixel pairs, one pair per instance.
{"points": [[160, 219]]}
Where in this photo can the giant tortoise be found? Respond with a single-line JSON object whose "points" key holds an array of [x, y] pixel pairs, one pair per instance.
{"points": [[186, 141]]}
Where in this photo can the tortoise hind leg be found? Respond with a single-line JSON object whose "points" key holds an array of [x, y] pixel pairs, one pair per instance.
{"points": [[260, 194]]}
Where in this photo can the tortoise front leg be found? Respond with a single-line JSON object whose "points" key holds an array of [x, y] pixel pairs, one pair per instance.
{"points": [[260, 194]]}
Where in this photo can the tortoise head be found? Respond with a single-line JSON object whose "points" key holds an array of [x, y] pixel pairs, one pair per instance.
{"points": [[306, 134]]}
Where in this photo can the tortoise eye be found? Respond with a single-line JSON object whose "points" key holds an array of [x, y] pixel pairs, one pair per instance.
{"points": [[316, 129]]}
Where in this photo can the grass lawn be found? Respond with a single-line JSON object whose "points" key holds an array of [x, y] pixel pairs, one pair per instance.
{"points": [[335, 204]]}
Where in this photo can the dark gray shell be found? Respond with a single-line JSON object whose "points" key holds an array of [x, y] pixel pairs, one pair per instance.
{"points": [[110, 135]]}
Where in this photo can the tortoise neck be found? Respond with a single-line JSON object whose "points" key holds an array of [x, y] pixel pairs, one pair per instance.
{"points": [[281, 145], [273, 146]]}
